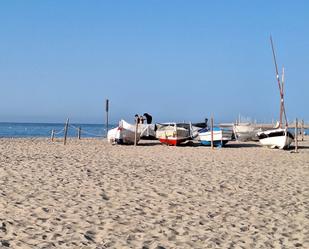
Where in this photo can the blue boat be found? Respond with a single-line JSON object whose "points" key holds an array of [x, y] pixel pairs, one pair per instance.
{"points": [[220, 136]]}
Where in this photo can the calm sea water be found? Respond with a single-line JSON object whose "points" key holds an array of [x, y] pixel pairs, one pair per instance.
{"points": [[20, 130]]}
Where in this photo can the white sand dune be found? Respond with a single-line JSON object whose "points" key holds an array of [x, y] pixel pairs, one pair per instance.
{"points": [[90, 194]]}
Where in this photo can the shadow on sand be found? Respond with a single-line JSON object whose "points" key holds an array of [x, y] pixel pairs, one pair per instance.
{"points": [[196, 144], [242, 145], [232, 144]]}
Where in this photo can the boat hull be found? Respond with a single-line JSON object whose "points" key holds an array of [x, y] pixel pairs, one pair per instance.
{"points": [[172, 135], [245, 132], [280, 142], [216, 143], [220, 137], [123, 134], [277, 138], [172, 141]]}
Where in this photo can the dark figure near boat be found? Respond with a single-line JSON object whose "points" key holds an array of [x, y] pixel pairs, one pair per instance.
{"points": [[148, 117], [137, 118]]}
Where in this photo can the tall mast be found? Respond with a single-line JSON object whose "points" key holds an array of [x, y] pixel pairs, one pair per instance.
{"points": [[282, 109]]}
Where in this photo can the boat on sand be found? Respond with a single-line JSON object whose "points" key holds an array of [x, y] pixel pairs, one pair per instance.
{"points": [[280, 137], [173, 133], [124, 133], [220, 136], [177, 133], [245, 132], [276, 138]]}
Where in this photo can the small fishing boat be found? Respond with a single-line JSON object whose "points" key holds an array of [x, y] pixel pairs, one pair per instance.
{"points": [[111, 135], [173, 133], [280, 137], [124, 133], [276, 138], [245, 132], [220, 136], [147, 131]]}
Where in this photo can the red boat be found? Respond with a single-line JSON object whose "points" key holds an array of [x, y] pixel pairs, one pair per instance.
{"points": [[173, 134]]}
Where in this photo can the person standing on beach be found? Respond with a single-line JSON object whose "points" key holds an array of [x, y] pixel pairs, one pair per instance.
{"points": [[142, 119], [137, 118], [148, 117]]}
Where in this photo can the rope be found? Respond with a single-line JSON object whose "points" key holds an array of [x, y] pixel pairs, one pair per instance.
{"points": [[92, 134], [82, 131], [74, 127], [58, 132], [86, 132]]}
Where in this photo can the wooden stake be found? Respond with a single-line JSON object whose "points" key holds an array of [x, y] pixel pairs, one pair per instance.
{"points": [[175, 132], [106, 110], [136, 128], [296, 135], [302, 130], [52, 135], [212, 132], [221, 130], [79, 131], [66, 131]]}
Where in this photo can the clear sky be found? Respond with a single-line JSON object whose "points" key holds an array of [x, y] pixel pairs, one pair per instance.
{"points": [[178, 60]]}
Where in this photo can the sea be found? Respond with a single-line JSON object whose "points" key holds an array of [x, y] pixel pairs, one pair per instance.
{"points": [[28, 130]]}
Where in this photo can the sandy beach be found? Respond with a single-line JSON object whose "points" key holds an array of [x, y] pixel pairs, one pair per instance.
{"points": [[90, 194]]}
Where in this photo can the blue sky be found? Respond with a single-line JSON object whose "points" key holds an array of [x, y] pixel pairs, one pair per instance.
{"points": [[178, 60]]}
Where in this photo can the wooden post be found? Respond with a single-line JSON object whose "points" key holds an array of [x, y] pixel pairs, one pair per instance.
{"points": [[79, 131], [175, 133], [212, 132], [221, 130], [136, 128], [302, 130], [106, 110], [66, 131], [296, 135], [52, 135]]}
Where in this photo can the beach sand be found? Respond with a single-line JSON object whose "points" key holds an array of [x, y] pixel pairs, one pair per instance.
{"points": [[90, 194]]}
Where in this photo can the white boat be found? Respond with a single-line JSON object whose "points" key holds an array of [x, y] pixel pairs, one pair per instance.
{"points": [[111, 135], [245, 132], [124, 133], [220, 136], [279, 137], [147, 131], [276, 138]]}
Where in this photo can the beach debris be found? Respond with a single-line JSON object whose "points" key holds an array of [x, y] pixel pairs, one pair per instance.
{"points": [[104, 196], [89, 172], [160, 247], [46, 210], [130, 237], [90, 235], [5, 243], [3, 227], [244, 228]]}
